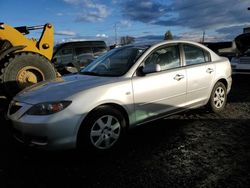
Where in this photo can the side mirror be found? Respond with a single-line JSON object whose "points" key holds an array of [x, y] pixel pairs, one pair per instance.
{"points": [[142, 70], [150, 68]]}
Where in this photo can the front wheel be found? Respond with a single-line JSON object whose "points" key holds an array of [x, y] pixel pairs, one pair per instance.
{"points": [[102, 130], [218, 98]]}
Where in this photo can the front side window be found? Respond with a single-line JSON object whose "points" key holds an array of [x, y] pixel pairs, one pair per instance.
{"points": [[167, 58], [195, 55], [63, 56]]}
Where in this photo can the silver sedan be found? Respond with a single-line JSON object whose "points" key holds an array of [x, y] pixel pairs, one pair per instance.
{"points": [[124, 88]]}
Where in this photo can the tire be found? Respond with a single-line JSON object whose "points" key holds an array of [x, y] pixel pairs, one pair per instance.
{"points": [[24, 69], [4, 45], [102, 131], [218, 98]]}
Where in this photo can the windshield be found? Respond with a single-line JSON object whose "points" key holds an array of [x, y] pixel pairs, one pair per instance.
{"points": [[116, 62]]}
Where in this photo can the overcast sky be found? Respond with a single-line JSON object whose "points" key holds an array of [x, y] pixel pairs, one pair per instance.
{"points": [[78, 19]]}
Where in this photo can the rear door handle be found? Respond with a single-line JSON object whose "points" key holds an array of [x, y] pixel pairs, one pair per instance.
{"points": [[210, 70], [178, 77]]}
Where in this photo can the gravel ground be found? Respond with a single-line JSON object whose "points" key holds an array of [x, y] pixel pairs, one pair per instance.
{"points": [[194, 149]]}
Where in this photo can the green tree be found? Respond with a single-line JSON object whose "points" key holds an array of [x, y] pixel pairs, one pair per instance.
{"points": [[168, 35]]}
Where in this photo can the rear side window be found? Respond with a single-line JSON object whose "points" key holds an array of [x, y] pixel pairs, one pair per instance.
{"points": [[195, 55]]}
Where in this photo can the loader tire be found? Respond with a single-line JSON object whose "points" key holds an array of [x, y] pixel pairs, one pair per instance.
{"points": [[24, 69]]}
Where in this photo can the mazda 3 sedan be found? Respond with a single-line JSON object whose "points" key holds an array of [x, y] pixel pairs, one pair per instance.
{"points": [[123, 88]]}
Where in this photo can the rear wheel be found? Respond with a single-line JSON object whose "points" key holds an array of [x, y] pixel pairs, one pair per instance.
{"points": [[25, 69], [218, 97], [102, 130]]}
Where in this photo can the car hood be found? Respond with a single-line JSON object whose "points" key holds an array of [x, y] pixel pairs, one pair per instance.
{"points": [[61, 88]]}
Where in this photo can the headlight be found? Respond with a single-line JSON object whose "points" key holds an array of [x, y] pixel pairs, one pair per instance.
{"points": [[48, 108]]}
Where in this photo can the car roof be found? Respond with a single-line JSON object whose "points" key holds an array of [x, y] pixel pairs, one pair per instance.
{"points": [[89, 43], [159, 43]]}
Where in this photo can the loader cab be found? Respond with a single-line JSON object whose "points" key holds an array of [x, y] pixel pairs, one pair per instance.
{"points": [[78, 54]]}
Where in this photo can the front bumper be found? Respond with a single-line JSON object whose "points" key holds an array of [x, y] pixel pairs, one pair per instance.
{"points": [[56, 131]]}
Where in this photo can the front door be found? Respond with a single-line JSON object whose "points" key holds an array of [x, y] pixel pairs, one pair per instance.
{"points": [[161, 91]]}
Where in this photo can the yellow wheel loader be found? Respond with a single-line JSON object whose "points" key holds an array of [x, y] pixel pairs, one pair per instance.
{"points": [[25, 61]]}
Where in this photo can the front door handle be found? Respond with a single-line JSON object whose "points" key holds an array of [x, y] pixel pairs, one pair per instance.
{"points": [[178, 77], [210, 70]]}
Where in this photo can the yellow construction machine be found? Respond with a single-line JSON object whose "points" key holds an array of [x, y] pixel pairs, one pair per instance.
{"points": [[25, 61]]}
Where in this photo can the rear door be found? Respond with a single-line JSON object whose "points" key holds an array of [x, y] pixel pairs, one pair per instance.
{"points": [[200, 73]]}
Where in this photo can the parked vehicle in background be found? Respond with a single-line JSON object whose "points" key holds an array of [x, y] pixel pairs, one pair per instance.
{"points": [[74, 55], [25, 61], [123, 88], [225, 49], [241, 62]]}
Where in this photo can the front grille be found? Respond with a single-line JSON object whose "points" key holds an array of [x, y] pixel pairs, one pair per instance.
{"points": [[14, 107]]}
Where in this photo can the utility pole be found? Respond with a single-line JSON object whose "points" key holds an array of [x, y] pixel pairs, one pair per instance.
{"points": [[203, 37], [115, 34]]}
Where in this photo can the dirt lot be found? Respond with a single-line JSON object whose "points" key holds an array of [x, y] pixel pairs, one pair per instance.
{"points": [[193, 149]]}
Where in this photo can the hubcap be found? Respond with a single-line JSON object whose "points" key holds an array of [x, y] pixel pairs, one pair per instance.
{"points": [[219, 97], [29, 75], [105, 132]]}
